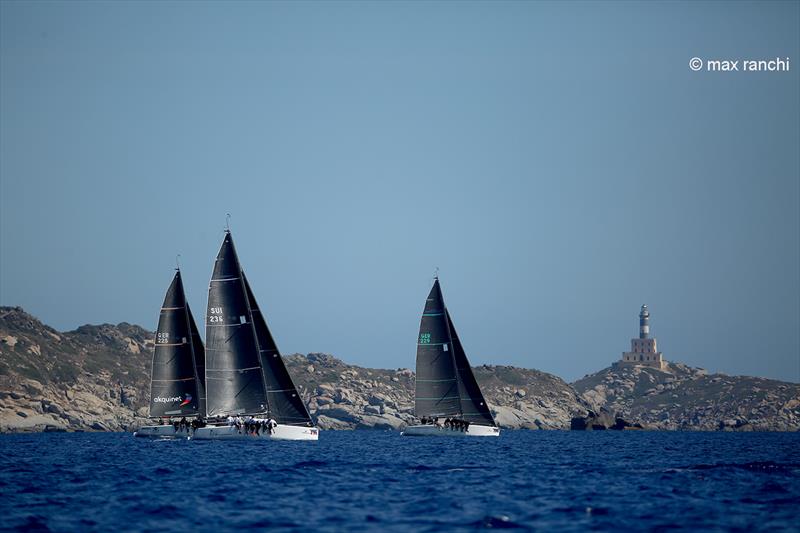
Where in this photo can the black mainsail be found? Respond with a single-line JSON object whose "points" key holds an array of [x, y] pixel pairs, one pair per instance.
{"points": [[445, 384], [176, 384], [245, 373], [284, 402], [437, 391], [234, 381]]}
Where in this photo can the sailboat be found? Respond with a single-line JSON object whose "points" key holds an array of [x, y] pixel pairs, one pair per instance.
{"points": [[176, 381], [246, 378], [447, 397]]}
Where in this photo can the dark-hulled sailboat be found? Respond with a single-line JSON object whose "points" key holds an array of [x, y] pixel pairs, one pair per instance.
{"points": [[448, 399], [245, 374], [177, 389]]}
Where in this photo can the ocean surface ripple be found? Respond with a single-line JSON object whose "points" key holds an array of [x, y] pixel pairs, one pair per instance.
{"points": [[375, 480]]}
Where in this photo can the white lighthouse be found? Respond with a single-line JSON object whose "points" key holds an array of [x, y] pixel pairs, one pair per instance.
{"points": [[644, 351]]}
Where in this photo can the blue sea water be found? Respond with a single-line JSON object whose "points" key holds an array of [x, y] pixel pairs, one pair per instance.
{"points": [[375, 480]]}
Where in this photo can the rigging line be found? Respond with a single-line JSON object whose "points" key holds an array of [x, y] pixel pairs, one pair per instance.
{"points": [[232, 369], [438, 399]]}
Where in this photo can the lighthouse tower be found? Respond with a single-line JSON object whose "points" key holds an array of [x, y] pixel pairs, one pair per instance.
{"points": [[644, 323], [644, 351]]}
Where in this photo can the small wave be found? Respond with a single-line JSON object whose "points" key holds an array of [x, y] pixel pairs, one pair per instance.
{"points": [[269, 524], [496, 522], [34, 523], [310, 464], [755, 466], [596, 511], [444, 468]]}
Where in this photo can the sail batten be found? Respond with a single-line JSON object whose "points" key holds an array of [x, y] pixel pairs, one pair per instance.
{"points": [[175, 385]]}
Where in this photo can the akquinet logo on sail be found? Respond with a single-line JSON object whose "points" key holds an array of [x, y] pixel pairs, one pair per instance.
{"points": [[159, 399], [172, 399]]}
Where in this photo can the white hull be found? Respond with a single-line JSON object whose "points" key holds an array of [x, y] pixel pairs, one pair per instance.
{"points": [[429, 430], [281, 433], [162, 432]]}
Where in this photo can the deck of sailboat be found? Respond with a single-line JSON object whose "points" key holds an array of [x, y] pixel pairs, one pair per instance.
{"points": [[431, 430], [162, 431], [281, 432]]}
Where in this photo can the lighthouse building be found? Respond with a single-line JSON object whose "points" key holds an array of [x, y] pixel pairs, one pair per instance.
{"points": [[643, 350]]}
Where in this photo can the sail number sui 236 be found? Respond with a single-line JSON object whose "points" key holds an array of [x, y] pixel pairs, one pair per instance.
{"points": [[215, 315]]}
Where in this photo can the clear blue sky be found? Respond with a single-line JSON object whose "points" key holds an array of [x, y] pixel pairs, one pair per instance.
{"points": [[559, 162]]}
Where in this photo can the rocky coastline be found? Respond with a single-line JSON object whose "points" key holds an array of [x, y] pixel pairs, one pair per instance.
{"points": [[95, 378]]}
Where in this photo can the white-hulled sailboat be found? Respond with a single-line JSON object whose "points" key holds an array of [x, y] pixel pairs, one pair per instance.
{"points": [[177, 392], [447, 399], [245, 375]]}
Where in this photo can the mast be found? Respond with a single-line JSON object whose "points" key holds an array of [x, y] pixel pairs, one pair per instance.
{"points": [[234, 378], [436, 391], [174, 384]]}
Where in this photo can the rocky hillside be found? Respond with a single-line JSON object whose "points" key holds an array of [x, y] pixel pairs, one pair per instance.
{"points": [[96, 378], [681, 397], [342, 396], [90, 378]]}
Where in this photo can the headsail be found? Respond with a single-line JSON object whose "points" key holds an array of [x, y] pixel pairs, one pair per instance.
{"points": [[176, 386], [473, 405], [199, 360], [437, 392], [234, 381], [284, 402]]}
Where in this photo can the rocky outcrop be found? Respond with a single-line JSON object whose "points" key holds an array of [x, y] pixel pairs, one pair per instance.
{"points": [[602, 420], [682, 397]]}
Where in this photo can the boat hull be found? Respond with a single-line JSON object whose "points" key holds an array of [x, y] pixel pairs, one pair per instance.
{"points": [[231, 433], [429, 430], [166, 431]]}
